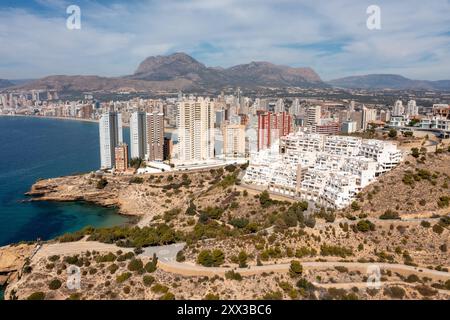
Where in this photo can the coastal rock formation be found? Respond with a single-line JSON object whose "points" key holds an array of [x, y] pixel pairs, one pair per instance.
{"points": [[12, 259]]}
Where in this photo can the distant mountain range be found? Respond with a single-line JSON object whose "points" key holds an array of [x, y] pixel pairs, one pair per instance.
{"points": [[388, 81], [180, 71], [5, 83]]}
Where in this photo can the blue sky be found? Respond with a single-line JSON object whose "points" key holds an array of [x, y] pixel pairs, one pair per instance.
{"points": [[329, 36]]}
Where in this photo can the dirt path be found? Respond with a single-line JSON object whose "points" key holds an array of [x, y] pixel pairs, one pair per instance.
{"points": [[167, 261]]}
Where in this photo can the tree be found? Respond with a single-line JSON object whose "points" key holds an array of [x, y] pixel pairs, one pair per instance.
{"points": [[204, 258], [296, 269], [415, 152], [242, 257], [264, 199], [151, 265], [218, 257], [392, 133], [55, 284], [135, 265], [137, 163], [365, 225], [390, 215], [355, 206]]}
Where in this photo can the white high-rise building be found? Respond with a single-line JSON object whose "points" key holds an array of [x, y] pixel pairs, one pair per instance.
{"points": [[195, 126], [279, 106], [296, 108], [155, 136], [368, 116], [398, 109], [313, 115], [111, 136], [138, 135], [234, 140], [412, 109]]}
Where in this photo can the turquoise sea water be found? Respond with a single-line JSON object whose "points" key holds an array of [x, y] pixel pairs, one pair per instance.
{"points": [[33, 148]]}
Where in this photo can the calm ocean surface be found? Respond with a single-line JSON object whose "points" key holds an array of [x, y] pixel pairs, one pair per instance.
{"points": [[33, 148]]}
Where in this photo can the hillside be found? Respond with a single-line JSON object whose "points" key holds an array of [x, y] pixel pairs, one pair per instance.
{"points": [[5, 83], [417, 188], [179, 71], [388, 81]]}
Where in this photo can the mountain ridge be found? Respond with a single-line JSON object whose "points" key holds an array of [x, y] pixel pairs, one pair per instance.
{"points": [[388, 81], [179, 71]]}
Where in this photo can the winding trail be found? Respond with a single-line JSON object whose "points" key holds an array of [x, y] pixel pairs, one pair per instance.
{"points": [[167, 261]]}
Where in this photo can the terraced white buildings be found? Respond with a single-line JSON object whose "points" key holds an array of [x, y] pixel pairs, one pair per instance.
{"points": [[329, 170]]}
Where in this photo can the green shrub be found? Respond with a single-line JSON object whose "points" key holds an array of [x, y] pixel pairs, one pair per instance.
{"points": [[232, 275], [355, 206], [426, 291], [330, 250], [55, 284], [159, 288], [211, 296], [209, 258], [296, 269], [137, 180], [242, 257], [390, 215], [273, 295], [135, 265], [437, 228], [36, 296], [123, 277], [239, 222], [113, 268], [425, 224], [395, 292], [412, 278], [443, 202], [305, 252], [365, 226], [151, 266], [167, 296], [148, 280], [110, 257]]}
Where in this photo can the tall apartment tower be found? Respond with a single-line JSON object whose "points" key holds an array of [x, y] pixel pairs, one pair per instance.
{"points": [[110, 129], [368, 116], [279, 106], [138, 135], [121, 157], [313, 115], [234, 140], [411, 108], [271, 127], [155, 136], [195, 124], [398, 109]]}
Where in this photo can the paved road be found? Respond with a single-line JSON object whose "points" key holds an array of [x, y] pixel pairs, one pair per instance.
{"points": [[164, 253]]}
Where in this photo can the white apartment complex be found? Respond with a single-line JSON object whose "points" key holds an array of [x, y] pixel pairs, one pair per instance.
{"points": [[111, 136], [329, 170], [138, 137], [234, 140], [195, 127]]}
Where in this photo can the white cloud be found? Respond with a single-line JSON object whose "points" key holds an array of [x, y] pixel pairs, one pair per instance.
{"points": [[330, 36]]}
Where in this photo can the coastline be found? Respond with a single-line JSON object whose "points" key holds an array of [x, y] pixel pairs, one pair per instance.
{"points": [[55, 118]]}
